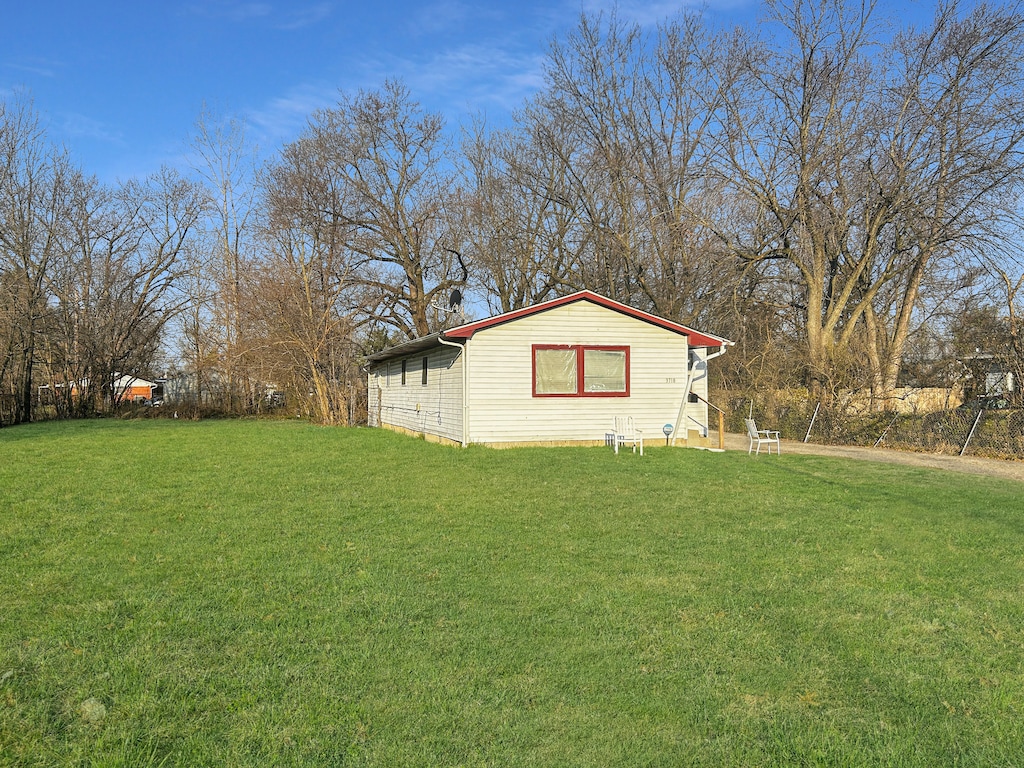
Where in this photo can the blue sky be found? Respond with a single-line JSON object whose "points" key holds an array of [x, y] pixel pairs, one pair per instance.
{"points": [[122, 83]]}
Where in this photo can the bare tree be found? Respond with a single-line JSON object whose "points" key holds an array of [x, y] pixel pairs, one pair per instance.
{"points": [[227, 165], [306, 295], [630, 121], [795, 117], [115, 284], [953, 166], [80, 282], [35, 179], [871, 167], [394, 186], [522, 229]]}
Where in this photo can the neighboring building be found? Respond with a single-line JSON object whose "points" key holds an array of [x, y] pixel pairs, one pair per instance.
{"points": [[989, 379], [132, 389], [126, 389], [187, 388], [999, 382], [557, 372]]}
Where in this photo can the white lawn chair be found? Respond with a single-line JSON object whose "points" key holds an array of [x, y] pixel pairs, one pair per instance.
{"points": [[766, 436], [626, 433]]}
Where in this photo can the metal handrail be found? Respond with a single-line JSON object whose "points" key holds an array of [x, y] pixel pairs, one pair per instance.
{"points": [[721, 421], [706, 402]]}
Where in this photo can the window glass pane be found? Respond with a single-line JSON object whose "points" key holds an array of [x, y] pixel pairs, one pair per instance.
{"points": [[556, 371], [604, 370]]}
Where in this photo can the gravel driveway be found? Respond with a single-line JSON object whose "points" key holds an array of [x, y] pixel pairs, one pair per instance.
{"points": [[1009, 470]]}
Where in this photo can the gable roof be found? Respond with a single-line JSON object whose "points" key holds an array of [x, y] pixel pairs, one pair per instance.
{"points": [[463, 332], [696, 338]]}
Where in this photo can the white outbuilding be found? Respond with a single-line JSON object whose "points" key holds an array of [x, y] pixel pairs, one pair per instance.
{"points": [[558, 372]]}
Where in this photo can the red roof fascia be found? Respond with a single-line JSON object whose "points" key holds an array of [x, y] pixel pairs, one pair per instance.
{"points": [[696, 338]]}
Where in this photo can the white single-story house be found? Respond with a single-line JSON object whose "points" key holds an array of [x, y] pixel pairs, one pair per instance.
{"points": [[558, 372]]}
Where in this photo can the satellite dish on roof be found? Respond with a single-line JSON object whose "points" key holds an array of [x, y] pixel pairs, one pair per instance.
{"points": [[454, 307]]}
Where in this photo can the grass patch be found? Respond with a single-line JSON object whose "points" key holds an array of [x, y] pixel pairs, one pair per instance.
{"points": [[255, 593]]}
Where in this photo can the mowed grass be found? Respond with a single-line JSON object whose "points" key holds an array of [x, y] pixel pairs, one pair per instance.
{"points": [[272, 593]]}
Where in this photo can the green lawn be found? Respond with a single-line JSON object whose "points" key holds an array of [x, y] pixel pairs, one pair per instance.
{"points": [[273, 593]]}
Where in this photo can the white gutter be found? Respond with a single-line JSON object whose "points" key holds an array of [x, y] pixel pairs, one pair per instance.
{"points": [[721, 351], [689, 383], [465, 385]]}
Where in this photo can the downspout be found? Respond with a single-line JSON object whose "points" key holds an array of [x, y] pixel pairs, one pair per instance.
{"points": [[719, 353], [465, 385], [689, 383], [365, 368], [712, 356]]}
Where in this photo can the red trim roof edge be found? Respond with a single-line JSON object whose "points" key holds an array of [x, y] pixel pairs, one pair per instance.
{"points": [[696, 338]]}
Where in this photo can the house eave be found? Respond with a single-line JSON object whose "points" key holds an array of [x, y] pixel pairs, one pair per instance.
{"points": [[407, 348]]}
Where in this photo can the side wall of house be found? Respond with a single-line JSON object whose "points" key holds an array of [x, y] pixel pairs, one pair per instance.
{"points": [[133, 390], [434, 408], [502, 406]]}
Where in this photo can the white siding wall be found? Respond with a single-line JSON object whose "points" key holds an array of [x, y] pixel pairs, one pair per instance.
{"points": [[434, 408], [502, 406]]}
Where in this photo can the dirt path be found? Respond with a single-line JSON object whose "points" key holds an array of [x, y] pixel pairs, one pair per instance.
{"points": [[1009, 470]]}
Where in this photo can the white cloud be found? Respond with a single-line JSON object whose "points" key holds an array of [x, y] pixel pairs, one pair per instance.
{"points": [[242, 11], [291, 16], [235, 11], [495, 73], [479, 58], [297, 18], [648, 13], [78, 125], [283, 118], [477, 77], [447, 15], [41, 67]]}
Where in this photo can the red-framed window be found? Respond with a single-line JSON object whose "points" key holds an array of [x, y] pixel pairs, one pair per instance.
{"points": [[580, 370]]}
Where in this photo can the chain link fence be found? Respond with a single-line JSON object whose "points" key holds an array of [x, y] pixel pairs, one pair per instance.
{"points": [[967, 431]]}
